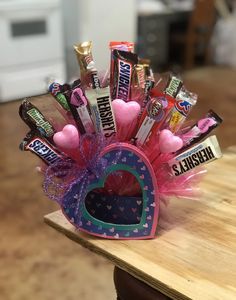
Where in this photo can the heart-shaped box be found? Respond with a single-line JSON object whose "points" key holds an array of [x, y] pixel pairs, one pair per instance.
{"points": [[117, 217]]}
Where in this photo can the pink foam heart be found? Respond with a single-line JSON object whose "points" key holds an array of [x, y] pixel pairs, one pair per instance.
{"points": [[77, 97], [169, 143], [125, 112], [68, 138]]}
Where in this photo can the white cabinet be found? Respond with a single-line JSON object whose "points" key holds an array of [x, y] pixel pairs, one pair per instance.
{"points": [[31, 47]]}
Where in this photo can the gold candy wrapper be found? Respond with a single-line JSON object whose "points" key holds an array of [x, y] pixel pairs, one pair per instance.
{"points": [[84, 56]]}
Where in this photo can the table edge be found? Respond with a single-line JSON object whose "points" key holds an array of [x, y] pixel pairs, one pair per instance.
{"points": [[154, 283]]}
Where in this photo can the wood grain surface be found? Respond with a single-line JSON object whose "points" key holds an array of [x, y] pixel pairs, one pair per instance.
{"points": [[194, 253]]}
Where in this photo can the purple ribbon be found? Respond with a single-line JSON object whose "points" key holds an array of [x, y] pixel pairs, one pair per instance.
{"points": [[62, 177]]}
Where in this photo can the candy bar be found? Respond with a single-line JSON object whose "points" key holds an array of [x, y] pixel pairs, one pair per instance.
{"points": [[87, 65], [183, 105], [79, 101], [73, 109], [36, 120], [139, 76], [84, 56], [153, 116], [201, 129], [173, 86], [123, 69], [197, 155], [124, 46], [38, 145], [55, 90], [149, 84], [101, 108]]}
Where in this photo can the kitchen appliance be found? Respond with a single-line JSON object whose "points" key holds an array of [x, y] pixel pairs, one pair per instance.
{"points": [[31, 50]]}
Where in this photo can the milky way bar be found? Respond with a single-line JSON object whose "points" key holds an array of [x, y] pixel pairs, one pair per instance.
{"points": [[36, 120], [39, 146], [198, 155], [102, 113], [123, 69]]}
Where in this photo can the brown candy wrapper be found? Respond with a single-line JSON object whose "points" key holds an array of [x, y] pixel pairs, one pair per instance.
{"points": [[42, 148], [32, 116], [124, 63]]}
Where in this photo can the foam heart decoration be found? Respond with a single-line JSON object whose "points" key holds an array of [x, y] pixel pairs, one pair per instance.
{"points": [[169, 143], [125, 112], [77, 97], [68, 138]]}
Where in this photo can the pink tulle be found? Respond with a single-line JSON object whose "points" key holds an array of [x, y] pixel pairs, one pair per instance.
{"points": [[123, 183]]}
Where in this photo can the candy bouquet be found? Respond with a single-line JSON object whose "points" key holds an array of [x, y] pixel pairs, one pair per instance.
{"points": [[126, 146]]}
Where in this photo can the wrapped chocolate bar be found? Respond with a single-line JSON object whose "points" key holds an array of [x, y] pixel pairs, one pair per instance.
{"points": [[36, 120], [56, 90], [124, 63], [89, 74], [153, 117], [196, 156], [125, 148], [201, 129], [101, 108], [39, 146], [183, 105]]}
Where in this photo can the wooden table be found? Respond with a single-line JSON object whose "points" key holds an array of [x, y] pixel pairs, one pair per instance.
{"points": [[194, 254]]}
